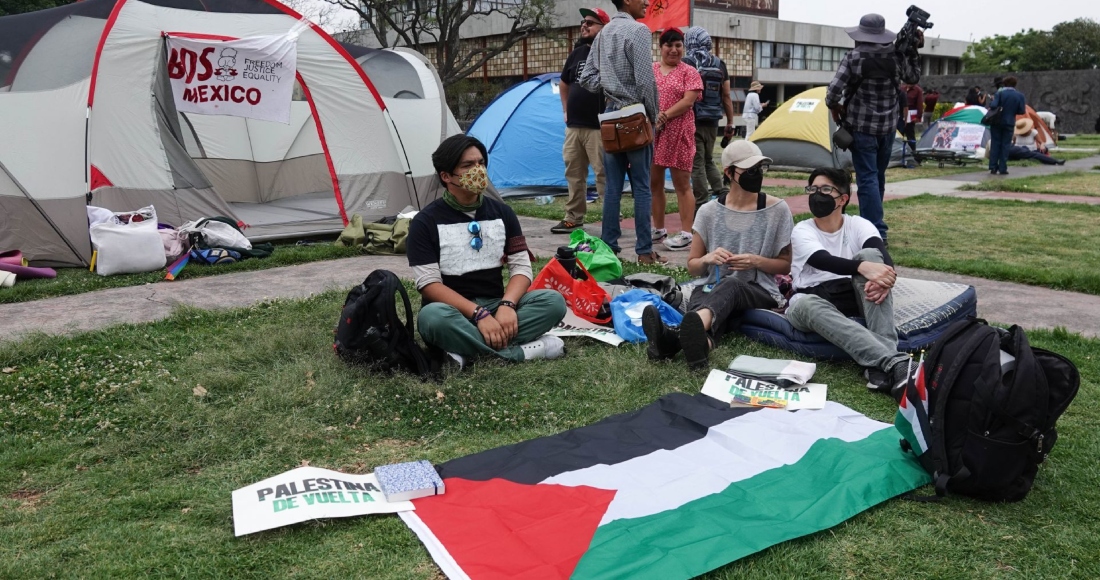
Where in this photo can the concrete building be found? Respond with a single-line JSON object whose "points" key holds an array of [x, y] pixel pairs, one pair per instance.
{"points": [[788, 57]]}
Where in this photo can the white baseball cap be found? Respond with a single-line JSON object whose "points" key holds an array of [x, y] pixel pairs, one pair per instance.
{"points": [[743, 155]]}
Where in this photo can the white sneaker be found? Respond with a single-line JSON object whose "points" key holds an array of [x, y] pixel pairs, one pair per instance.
{"points": [[7, 279], [680, 241], [546, 346], [458, 359], [658, 234]]}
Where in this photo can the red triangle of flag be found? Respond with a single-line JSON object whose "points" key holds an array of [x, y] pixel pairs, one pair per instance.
{"points": [[501, 529]]}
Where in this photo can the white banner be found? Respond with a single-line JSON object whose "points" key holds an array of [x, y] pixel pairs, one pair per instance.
{"points": [[573, 325], [251, 77], [749, 392], [308, 493]]}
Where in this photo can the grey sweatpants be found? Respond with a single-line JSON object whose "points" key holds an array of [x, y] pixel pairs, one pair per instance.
{"points": [[874, 346]]}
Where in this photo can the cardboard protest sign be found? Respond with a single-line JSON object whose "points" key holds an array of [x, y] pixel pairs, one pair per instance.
{"points": [[573, 325], [742, 391], [251, 77], [308, 493]]}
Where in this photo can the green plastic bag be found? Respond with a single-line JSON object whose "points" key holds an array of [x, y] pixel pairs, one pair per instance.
{"points": [[376, 238], [601, 262]]}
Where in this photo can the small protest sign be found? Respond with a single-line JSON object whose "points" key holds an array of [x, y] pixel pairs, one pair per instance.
{"points": [[744, 391], [308, 493], [250, 77], [573, 325]]}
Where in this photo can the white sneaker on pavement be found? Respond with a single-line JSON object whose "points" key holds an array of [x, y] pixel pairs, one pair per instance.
{"points": [[658, 234], [546, 346], [681, 241]]}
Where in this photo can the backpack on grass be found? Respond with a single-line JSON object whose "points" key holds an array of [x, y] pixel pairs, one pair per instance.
{"points": [[980, 415], [371, 333]]}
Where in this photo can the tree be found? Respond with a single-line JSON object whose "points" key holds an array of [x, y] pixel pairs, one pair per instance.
{"points": [[433, 27], [8, 7], [1072, 45]]}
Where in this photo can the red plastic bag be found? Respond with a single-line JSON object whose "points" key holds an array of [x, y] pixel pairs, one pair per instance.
{"points": [[584, 297]]}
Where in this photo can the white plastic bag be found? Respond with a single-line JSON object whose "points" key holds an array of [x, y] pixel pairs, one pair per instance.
{"points": [[128, 243], [218, 234]]}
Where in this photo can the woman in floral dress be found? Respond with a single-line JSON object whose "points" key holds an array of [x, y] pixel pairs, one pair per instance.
{"points": [[678, 87]]}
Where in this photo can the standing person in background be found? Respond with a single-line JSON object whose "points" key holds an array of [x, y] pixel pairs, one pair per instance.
{"points": [[1012, 103], [715, 100], [974, 96], [914, 98], [931, 98], [678, 87], [864, 94], [583, 146], [620, 66], [753, 107]]}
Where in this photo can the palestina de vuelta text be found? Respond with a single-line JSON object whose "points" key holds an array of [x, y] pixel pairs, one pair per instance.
{"points": [[310, 485]]}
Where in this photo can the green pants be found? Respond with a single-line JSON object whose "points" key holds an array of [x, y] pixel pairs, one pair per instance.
{"points": [[705, 177], [444, 326]]}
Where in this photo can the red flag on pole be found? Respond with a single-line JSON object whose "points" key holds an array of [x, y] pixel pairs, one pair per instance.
{"points": [[665, 14]]}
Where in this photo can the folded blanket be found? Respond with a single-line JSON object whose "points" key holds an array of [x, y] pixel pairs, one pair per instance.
{"points": [[784, 373]]}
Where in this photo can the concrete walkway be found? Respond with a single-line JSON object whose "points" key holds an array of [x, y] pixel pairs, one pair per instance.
{"points": [[1004, 302]]}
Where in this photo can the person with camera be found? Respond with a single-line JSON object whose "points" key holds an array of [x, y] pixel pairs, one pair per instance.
{"points": [[583, 146], [841, 269], [458, 246], [864, 96]]}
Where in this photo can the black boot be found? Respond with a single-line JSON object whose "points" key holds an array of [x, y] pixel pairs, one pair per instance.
{"points": [[662, 342]]}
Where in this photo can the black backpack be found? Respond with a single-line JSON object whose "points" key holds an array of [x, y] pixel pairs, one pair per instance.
{"points": [[371, 333], [986, 428], [709, 107]]}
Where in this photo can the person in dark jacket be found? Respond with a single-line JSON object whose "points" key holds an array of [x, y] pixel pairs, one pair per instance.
{"points": [[1012, 103]]}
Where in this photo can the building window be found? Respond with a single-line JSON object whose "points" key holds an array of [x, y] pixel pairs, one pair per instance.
{"points": [[797, 56]]}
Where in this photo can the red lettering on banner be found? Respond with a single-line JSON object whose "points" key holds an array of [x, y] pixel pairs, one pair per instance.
{"points": [[219, 93], [202, 93], [207, 68], [175, 65], [189, 58], [253, 96], [236, 94], [189, 95]]}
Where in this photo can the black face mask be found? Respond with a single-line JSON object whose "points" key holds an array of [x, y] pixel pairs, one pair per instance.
{"points": [[751, 181], [821, 204]]}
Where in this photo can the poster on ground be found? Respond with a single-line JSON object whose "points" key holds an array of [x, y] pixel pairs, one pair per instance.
{"points": [[958, 136], [250, 77], [308, 493], [573, 325], [739, 391]]}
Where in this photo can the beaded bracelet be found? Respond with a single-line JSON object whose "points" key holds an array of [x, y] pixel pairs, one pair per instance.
{"points": [[479, 315], [509, 304]]}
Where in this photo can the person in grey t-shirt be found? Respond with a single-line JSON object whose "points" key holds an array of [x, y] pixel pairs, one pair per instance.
{"points": [[742, 241]]}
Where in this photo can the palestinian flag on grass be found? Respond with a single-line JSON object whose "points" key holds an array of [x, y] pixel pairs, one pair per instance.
{"points": [[673, 490]]}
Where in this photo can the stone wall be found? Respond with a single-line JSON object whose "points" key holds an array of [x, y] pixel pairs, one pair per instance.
{"points": [[1074, 96]]}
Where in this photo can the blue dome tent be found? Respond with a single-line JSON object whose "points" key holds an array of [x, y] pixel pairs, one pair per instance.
{"points": [[524, 131]]}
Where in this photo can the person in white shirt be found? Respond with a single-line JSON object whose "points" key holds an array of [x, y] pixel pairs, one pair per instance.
{"points": [[750, 113], [840, 268]]}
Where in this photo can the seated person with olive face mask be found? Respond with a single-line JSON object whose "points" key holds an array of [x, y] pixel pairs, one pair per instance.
{"points": [[457, 248], [741, 241], [840, 269]]}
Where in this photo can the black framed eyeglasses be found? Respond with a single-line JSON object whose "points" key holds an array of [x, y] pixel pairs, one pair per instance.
{"points": [[587, 22], [826, 189], [475, 230], [756, 169]]}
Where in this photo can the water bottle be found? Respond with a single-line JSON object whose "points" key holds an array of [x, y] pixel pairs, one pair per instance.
{"points": [[567, 257], [544, 200]]}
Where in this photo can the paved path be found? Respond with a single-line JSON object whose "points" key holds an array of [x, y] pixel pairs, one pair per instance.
{"points": [[1005, 302]]}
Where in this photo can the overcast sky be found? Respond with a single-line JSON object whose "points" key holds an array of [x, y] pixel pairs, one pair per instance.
{"points": [[953, 19]]}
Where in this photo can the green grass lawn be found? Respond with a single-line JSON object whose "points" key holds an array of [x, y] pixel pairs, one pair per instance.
{"points": [[1069, 183], [79, 280], [1057, 154], [1081, 140], [1032, 243], [112, 466], [556, 210]]}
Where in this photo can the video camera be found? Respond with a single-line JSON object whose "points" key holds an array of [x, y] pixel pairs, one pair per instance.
{"points": [[908, 39]]}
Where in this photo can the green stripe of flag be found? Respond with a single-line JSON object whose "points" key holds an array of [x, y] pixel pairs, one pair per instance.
{"points": [[834, 481]]}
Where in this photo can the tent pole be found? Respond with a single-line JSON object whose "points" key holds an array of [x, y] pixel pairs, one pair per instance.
{"points": [[27, 194]]}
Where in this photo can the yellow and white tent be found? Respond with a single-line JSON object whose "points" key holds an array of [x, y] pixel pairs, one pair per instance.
{"points": [[799, 134]]}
